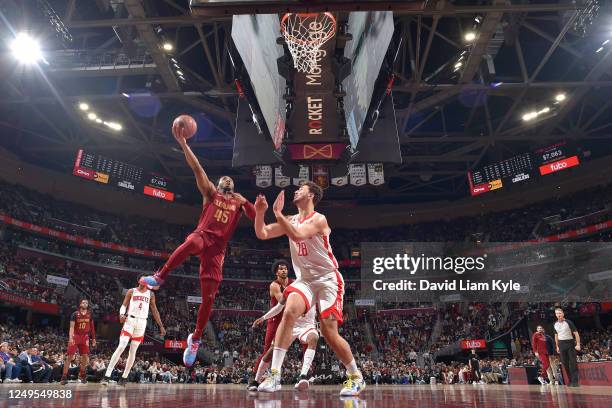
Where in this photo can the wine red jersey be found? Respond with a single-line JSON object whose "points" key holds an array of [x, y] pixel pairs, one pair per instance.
{"points": [[83, 324], [273, 302], [220, 217]]}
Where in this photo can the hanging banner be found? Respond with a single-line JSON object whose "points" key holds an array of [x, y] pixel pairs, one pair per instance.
{"points": [[376, 174], [320, 175], [339, 181], [357, 173], [316, 151], [280, 180], [303, 176], [194, 299], [57, 280], [263, 176]]}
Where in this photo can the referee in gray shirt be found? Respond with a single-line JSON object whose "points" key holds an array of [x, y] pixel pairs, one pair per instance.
{"points": [[567, 341]]}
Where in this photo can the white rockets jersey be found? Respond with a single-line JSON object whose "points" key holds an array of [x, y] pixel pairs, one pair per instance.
{"points": [[139, 303], [307, 320], [313, 257]]}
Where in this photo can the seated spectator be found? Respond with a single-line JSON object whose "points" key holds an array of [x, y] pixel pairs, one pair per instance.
{"points": [[41, 371], [7, 365]]}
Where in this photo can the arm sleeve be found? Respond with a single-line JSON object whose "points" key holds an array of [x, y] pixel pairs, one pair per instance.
{"points": [[274, 311], [249, 210]]}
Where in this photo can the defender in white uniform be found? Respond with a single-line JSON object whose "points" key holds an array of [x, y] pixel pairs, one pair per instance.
{"points": [[133, 314], [304, 330], [319, 282]]}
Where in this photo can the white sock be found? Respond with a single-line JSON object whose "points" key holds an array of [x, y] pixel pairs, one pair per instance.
{"points": [[123, 342], [278, 356], [261, 369], [308, 357], [352, 369], [131, 357]]}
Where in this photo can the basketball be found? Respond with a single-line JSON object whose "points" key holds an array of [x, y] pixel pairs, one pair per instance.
{"points": [[189, 123]]}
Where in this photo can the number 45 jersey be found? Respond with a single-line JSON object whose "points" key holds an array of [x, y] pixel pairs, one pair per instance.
{"points": [[219, 219]]}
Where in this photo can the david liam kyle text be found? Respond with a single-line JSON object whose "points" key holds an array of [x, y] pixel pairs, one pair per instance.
{"points": [[496, 285]]}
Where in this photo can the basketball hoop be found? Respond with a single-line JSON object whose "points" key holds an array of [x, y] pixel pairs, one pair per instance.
{"points": [[305, 33]]}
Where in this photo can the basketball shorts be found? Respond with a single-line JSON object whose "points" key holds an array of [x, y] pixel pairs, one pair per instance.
{"points": [[81, 343], [134, 328], [302, 329], [326, 293]]}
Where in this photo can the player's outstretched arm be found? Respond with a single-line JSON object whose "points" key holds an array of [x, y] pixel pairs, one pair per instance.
{"points": [[263, 231], [270, 313], [205, 186], [156, 316], [246, 206]]}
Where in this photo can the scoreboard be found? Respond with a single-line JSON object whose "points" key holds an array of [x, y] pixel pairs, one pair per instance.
{"points": [[104, 170], [523, 167]]}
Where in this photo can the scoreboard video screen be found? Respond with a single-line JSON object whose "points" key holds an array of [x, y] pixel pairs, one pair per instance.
{"points": [[104, 170], [523, 167]]}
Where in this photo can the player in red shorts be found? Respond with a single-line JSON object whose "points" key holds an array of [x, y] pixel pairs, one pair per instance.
{"points": [[281, 269], [81, 331], [222, 210]]}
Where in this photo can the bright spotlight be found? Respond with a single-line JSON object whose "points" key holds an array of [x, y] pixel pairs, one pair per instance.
{"points": [[600, 49], [179, 73], [98, 120], [83, 106], [529, 116], [458, 65], [26, 49], [167, 46], [113, 125], [92, 116], [560, 97], [470, 36], [544, 110]]}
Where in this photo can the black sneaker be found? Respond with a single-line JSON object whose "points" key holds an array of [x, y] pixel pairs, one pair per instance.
{"points": [[303, 383], [253, 386], [105, 381], [64, 381], [122, 381]]}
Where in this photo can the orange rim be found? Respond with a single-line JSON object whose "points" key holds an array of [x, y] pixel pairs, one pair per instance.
{"points": [[292, 38]]}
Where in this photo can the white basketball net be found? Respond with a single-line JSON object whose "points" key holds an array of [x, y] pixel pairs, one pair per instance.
{"points": [[305, 33]]}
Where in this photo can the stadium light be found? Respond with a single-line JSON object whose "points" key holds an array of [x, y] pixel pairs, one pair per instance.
{"points": [[529, 116], [560, 97], [470, 36], [92, 116], [26, 49], [98, 120], [545, 110], [458, 65], [600, 49], [83, 106], [179, 72], [114, 125], [167, 46]]}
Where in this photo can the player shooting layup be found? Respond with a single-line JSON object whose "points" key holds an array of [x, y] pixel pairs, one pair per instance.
{"points": [[319, 282], [133, 314], [222, 210]]}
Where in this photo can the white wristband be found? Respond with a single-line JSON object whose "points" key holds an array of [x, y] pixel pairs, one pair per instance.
{"points": [[122, 310]]}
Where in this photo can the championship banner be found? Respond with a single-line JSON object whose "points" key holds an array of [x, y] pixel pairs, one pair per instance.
{"points": [[376, 174], [316, 151], [263, 176], [357, 172], [175, 344], [58, 280], [303, 177], [339, 181], [473, 344], [194, 299], [280, 180], [320, 175], [29, 303]]}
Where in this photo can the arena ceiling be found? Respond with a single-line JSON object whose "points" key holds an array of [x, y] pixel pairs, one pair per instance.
{"points": [[111, 57]]}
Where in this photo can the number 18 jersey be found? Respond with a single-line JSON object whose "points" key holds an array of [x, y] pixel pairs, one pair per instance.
{"points": [[313, 257]]}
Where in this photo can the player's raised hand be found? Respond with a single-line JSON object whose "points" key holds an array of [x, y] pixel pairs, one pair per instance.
{"points": [[279, 203], [261, 204], [179, 132], [258, 322]]}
